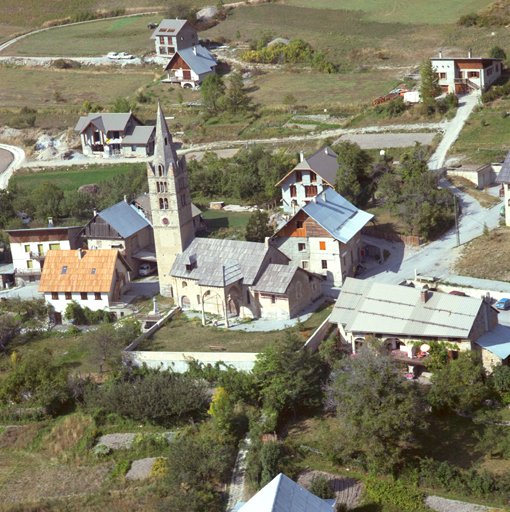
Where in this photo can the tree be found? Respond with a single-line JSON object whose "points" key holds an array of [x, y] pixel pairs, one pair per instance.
{"points": [[429, 81], [257, 228], [377, 409], [121, 105], [458, 385], [353, 167], [320, 487], [289, 100], [8, 324], [222, 408], [46, 200], [270, 455], [236, 97], [497, 53], [106, 344], [213, 91]]}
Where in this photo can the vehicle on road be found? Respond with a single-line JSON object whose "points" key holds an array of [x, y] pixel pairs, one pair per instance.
{"points": [[503, 304], [113, 55], [124, 55], [146, 269]]}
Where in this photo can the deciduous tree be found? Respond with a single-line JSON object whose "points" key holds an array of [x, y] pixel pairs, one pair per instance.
{"points": [[257, 228]]}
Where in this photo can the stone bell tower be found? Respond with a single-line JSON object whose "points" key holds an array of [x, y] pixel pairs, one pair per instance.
{"points": [[170, 203]]}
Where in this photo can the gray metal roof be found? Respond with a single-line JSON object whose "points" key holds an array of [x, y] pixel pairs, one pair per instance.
{"points": [[369, 307], [124, 219], [200, 63], [284, 495], [174, 25], [138, 135], [7, 268], [105, 122], [195, 211], [496, 341], [322, 162], [276, 278], [336, 215], [504, 173], [221, 262]]}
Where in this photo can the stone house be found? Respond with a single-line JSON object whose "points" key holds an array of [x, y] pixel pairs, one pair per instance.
{"points": [[310, 177], [404, 317], [172, 36], [122, 227], [95, 279], [30, 247], [464, 75], [324, 237], [110, 135]]}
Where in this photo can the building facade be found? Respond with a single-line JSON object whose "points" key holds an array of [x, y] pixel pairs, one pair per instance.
{"points": [[173, 35]]}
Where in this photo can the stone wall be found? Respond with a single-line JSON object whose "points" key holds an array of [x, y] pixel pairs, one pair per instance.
{"points": [[489, 359]]}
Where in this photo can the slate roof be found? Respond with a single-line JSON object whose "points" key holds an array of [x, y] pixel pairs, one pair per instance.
{"points": [[124, 219], [200, 63], [336, 215], [138, 135], [78, 276], [220, 262], [105, 122], [504, 173], [171, 28], [195, 211], [284, 495], [496, 341], [276, 278], [322, 162], [364, 306]]}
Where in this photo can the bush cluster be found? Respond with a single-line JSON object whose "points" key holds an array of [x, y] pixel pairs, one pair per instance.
{"points": [[496, 92], [394, 493], [82, 315]]}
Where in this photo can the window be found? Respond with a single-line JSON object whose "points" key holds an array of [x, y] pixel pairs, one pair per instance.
{"points": [[293, 191], [324, 264], [97, 295], [93, 271], [248, 298], [191, 266], [183, 200], [301, 247], [299, 176], [184, 284], [161, 204], [299, 224], [182, 38], [30, 264], [313, 177], [116, 135], [54, 247], [310, 191], [322, 246], [161, 40], [171, 49], [299, 290], [166, 203], [304, 264], [83, 296], [54, 295], [442, 75], [160, 169], [473, 74], [64, 270], [489, 71], [166, 141], [68, 295], [133, 148], [27, 248], [273, 299]]}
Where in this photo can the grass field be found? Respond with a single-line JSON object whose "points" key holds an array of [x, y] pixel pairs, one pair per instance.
{"points": [[433, 12], [188, 335], [73, 177], [223, 224]]}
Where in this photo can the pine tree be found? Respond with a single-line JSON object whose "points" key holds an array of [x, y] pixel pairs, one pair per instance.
{"points": [[429, 81]]}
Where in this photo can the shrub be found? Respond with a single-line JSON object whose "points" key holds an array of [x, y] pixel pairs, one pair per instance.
{"points": [[321, 488], [451, 101], [160, 467], [394, 493], [84, 315], [468, 20], [101, 450], [121, 468], [269, 457]]}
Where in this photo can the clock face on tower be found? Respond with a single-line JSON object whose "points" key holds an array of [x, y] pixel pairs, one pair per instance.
{"points": [[165, 221]]}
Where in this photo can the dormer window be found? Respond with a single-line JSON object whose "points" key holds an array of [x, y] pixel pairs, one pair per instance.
{"points": [[64, 270], [93, 271], [190, 266]]}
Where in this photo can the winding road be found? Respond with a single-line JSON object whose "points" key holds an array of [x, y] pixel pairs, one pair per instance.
{"points": [[19, 158]]}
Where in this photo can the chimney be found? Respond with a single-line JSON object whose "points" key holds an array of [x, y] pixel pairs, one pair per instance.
{"points": [[266, 242], [440, 54], [50, 222], [195, 50], [470, 54], [80, 253], [95, 212], [324, 196], [326, 151], [424, 294], [125, 199], [301, 156]]}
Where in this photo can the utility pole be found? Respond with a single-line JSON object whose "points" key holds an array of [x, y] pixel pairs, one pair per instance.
{"points": [[456, 219]]}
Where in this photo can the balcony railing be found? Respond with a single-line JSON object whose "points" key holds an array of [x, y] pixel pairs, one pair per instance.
{"points": [[28, 271], [38, 256]]}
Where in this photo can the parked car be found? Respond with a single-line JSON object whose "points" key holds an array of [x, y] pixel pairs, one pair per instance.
{"points": [[455, 292], [146, 269], [503, 304], [152, 26], [124, 55], [113, 55]]}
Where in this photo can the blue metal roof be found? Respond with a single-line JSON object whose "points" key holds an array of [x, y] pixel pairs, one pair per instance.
{"points": [[336, 215], [124, 219], [496, 341], [200, 63]]}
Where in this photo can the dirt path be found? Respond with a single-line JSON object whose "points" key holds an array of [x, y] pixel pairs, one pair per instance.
{"points": [[444, 505], [236, 489], [6, 157]]}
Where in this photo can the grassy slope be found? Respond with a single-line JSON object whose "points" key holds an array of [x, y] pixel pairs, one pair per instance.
{"points": [[72, 177], [407, 11]]}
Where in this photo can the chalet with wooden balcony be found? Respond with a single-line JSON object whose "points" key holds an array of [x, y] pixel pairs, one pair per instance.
{"points": [[463, 75], [30, 247], [110, 135]]}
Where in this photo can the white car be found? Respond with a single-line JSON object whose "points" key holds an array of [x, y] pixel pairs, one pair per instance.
{"points": [[124, 55], [146, 269], [112, 55]]}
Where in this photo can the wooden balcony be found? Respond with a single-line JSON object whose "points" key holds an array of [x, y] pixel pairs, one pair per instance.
{"points": [[38, 256]]}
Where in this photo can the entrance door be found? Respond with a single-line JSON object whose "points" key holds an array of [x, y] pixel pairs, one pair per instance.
{"points": [[186, 303], [58, 318], [186, 74], [233, 307]]}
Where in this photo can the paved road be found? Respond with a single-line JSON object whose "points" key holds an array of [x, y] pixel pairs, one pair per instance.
{"points": [[387, 140], [19, 158]]}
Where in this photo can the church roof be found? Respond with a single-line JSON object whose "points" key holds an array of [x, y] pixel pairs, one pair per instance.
{"points": [[276, 278]]}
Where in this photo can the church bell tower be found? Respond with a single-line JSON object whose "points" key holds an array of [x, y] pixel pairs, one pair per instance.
{"points": [[170, 203]]}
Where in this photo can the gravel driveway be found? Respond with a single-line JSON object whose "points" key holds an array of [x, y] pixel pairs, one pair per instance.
{"points": [[444, 505], [387, 140]]}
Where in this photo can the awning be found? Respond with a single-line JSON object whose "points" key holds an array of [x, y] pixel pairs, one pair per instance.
{"points": [[496, 341]]}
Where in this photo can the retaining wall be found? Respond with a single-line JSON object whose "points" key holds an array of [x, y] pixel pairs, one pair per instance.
{"points": [[316, 338]]}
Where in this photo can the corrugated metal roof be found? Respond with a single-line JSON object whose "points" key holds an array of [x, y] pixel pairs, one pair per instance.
{"points": [[275, 278], [284, 495], [105, 122], [78, 276], [200, 63], [336, 215], [7, 268], [138, 135], [322, 162], [124, 219], [504, 173], [174, 25], [496, 341], [391, 309], [220, 261]]}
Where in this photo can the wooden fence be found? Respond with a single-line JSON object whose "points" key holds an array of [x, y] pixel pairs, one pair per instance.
{"points": [[408, 240]]}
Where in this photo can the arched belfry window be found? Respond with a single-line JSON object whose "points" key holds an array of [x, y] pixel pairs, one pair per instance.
{"points": [[161, 205], [160, 170], [166, 204]]}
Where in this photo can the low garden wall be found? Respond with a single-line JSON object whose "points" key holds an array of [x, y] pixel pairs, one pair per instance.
{"points": [[316, 338]]}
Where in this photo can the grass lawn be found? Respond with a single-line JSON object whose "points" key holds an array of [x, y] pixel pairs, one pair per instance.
{"points": [[189, 335], [478, 257], [71, 178], [463, 184], [433, 12], [223, 224], [385, 222]]}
